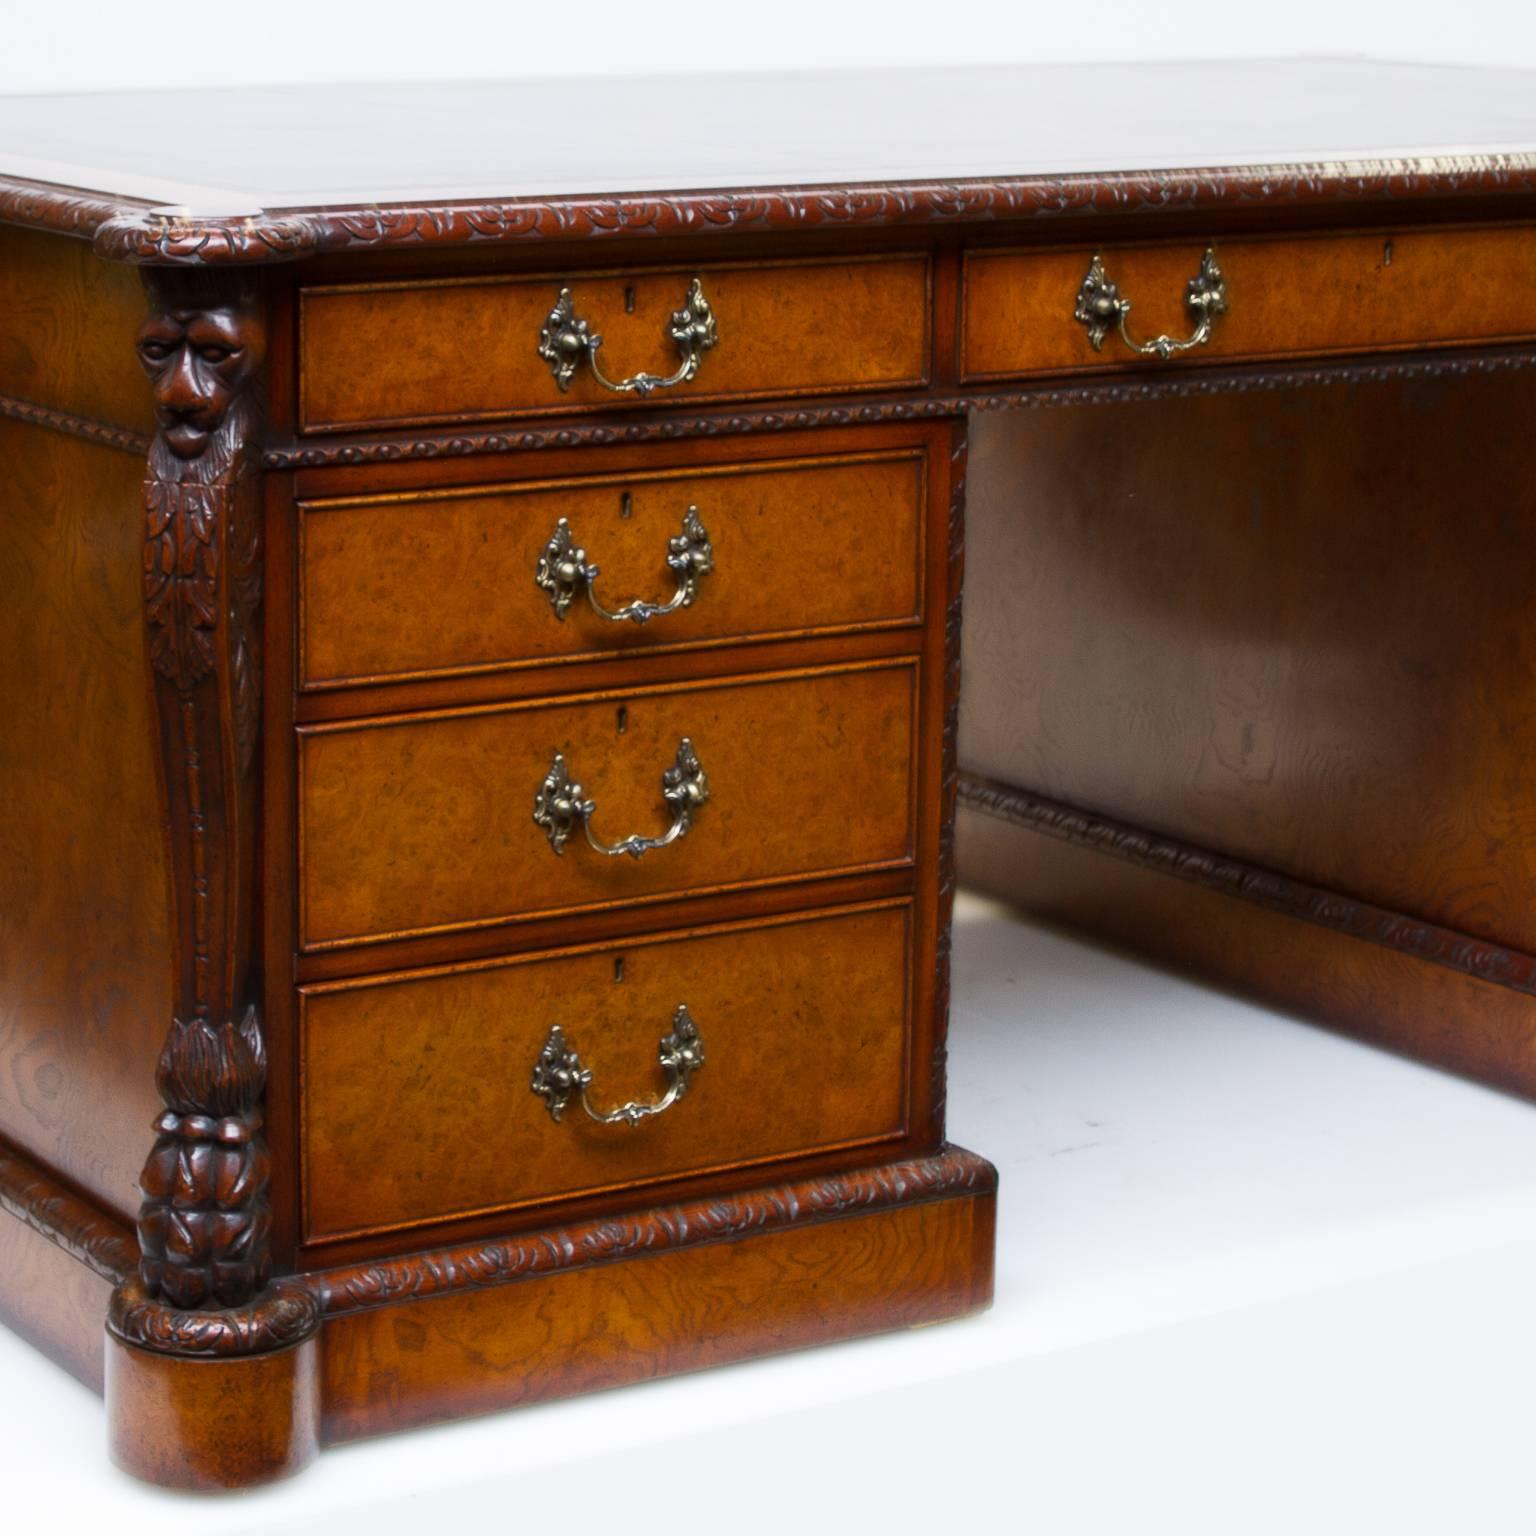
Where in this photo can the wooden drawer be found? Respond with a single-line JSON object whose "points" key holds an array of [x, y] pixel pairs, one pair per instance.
{"points": [[1311, 295], [413, 824], [416, 1087], [377, 354], [440, 582]]}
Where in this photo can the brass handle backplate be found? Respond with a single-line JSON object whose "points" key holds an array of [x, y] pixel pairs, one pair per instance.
{"points": [[1101, 309], [560, 806], [563, 571], [558, 1074], [567, 340]]}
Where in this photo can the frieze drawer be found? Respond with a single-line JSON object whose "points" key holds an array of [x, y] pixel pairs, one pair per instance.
{"points": [[471, 349], [478, 579], [414, 824], [449, 1092], [1143, 306]]}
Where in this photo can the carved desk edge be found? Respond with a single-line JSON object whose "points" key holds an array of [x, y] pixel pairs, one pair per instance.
{"points": [[1478, 958], [674, 426], [130, 230]]}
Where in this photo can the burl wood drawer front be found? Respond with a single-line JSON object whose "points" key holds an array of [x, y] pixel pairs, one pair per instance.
{"points": [[1312, 295], [468, 349], [413, 824], [441, 582], [417, 1098]]}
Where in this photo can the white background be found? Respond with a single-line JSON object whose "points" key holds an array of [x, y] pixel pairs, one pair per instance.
{"points": [[1252, 1277], [67, 45]]}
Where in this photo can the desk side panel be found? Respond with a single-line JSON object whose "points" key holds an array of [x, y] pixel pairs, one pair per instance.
{"points": [[84, 946], [1294, 629], [67, 326]]}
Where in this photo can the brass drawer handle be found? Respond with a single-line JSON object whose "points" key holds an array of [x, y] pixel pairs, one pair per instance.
{"points": [[1100, 308], [563, 571], [560, 806], [566, 339], [558, 1074]]}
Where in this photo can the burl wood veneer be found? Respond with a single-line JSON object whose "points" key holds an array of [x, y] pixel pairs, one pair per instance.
{"points": [[352, 374], [478, 840], [418, 823], [371, 568]]}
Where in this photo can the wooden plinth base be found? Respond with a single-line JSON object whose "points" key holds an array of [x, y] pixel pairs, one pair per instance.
{"points": [[394, 1343], [210, 1425], [1095, 876]]}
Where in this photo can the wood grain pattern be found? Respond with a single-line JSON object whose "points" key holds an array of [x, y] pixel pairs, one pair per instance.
{"points": [[206, 1426], [1206, 645], [609, 1238], [417, 1103], [438, 583], [783, 330], [1285, 298], [70, 321], [84, 945], [1396, 1000], [403, 1366], [417, 823]]}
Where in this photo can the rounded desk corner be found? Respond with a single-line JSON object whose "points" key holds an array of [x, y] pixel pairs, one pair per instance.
{"points": [[216, 1401]]}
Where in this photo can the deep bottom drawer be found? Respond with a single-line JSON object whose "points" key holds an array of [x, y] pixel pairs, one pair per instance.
{"points": [[417, 1103]]}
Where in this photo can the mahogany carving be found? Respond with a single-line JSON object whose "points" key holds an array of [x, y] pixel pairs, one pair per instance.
{"points": [[128, 231], [605, 1240], [285, 1313], [82, 1231], [1110, 390], [1233, 877], [203, 1225], [61, 210], [75, 426]]}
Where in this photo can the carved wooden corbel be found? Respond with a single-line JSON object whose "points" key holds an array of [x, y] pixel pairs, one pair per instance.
{"points": [[203, 1225], [202, 1289]]}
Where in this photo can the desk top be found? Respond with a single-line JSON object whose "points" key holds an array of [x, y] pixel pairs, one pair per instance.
{"points": [[261, 174]]}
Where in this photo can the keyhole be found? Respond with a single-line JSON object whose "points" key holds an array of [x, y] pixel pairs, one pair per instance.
{"points": [[629, 298], [1386, 254], [622, 718], [626, 505], [618, 968]]}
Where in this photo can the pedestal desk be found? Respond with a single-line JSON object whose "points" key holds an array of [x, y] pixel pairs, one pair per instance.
{"points": [[483, 724]]}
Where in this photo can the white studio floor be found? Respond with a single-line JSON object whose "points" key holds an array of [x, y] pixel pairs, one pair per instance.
{"points": [[1251, 1277]]}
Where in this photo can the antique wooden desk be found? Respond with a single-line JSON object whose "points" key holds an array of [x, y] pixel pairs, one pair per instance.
{"points": [[480, 601]]}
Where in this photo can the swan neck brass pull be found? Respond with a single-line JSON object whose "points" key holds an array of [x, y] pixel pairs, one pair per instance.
{"points": [[558, 1074], [560, 806], [563, 571], [1101, 309], [566, 340]]}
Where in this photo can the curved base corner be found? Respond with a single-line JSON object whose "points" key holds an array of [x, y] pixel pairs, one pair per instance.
{"points": [[213, 1421]]}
